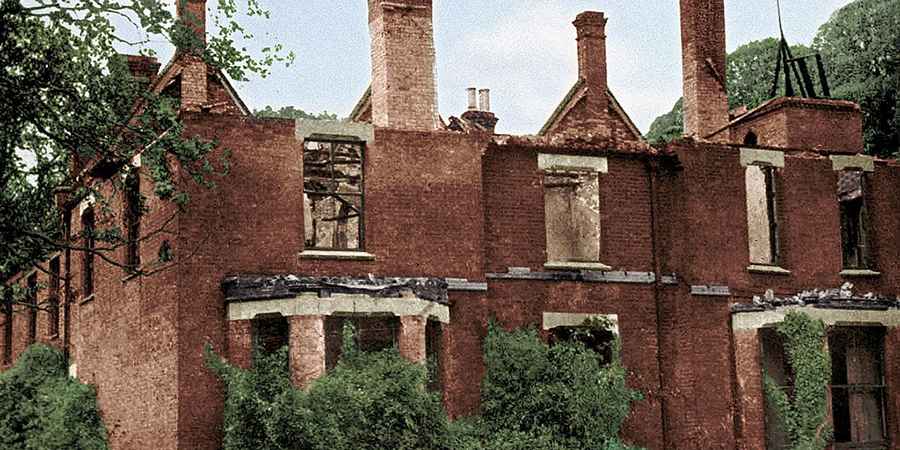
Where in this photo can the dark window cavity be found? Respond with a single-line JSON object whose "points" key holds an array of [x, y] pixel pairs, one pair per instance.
{"points": [[371, 334], [31, 303], [598, 340], [133, 209], [53, 299], [87, 255], [854, 227], [270, 333]]}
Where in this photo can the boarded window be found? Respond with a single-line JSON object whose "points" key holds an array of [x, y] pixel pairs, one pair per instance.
{"points": [[433, 353], [762, 215], [857, 386], [270, 333], [598, 340], [372, 334], [31, 303], [572, 212], [333, 195], [87, 256], [854, 231], [133, 210], [53, 299]]}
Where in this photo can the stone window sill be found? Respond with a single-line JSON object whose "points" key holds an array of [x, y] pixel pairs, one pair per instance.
{"points": [[860, 273], [576, 265], [770, 270], [340, 255]]}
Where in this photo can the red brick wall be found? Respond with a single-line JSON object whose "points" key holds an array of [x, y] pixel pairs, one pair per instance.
{"points": [[805, 124]]}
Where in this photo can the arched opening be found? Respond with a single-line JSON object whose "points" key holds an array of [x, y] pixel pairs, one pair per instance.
{"points": [[751, 139]]}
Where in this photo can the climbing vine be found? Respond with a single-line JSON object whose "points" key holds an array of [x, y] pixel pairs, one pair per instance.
{"points": [[803, 410]]}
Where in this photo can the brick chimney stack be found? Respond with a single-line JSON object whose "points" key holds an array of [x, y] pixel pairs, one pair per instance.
{"points": [[403, 79], [703, 60], [591, 29], [192, 13], [194, 93]]}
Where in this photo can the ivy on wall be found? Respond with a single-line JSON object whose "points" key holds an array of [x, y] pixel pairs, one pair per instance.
{"points": [[803, 410]]}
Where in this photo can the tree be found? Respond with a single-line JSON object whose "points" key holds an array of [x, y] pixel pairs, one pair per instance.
{"points": [[862, 45], [68, 98], [289, 112]]}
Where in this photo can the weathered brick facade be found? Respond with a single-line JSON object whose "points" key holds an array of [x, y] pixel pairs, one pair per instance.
{"points": [[455, 233]]}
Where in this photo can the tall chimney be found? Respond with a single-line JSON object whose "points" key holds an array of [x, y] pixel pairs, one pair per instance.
{"points": [[192, 13], [703, 61], [403, 80], [591, 29]]}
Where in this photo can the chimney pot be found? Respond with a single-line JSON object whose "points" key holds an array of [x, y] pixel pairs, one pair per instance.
{"points": [[484, 100], [473, 99]]}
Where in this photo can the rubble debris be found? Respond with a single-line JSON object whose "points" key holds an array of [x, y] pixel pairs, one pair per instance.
{"points": [[260, 287], [835, 298]]}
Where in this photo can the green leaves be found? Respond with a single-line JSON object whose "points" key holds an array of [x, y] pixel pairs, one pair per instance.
{"points": [[535, 393], [41, 408], [804, 412]]}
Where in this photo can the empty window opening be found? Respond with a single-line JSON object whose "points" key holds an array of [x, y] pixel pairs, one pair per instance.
{"points": [[87, 255], [372, 334], [762, 215], [7, 325], [270, 333], [854, 231], [333, 195], [858, 387], [133, 209], [751, 139], [53, 299], [572, 211], [433, 353], [598, 340], [31, 304], [776, 366]]}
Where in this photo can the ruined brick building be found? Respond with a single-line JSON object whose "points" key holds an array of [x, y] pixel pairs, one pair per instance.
{"points": [[419, 230]]}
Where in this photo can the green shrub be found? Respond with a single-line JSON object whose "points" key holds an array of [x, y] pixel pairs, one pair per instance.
{"points": [[557, 396], [369, 401], [804, 412], [41, 408]]}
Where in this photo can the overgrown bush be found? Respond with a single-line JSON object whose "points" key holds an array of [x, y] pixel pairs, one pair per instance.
{"points": [[369, 401], [540, 396], [41, 408], [534, 397], [803, 412]]}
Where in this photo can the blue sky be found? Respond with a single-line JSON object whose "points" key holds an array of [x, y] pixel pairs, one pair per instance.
{"points": [[523, 50]]}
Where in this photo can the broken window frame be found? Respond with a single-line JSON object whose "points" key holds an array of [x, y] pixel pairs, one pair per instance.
{"points": [[360, 212], [770, 176], [879, 389], [594, 177], [855, 238]]}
